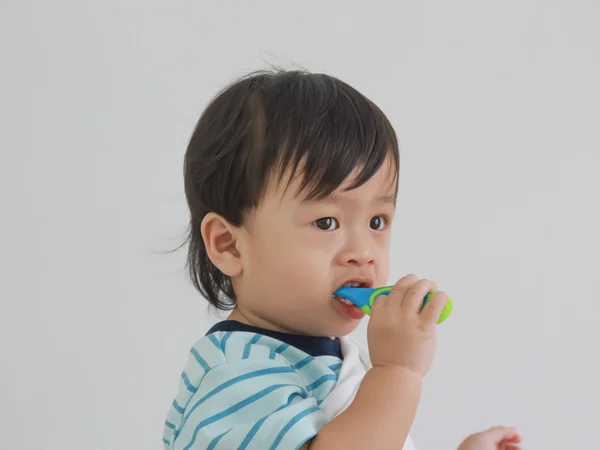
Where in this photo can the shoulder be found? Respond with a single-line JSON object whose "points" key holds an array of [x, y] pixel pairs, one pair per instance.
{"points": [[233, 376]]}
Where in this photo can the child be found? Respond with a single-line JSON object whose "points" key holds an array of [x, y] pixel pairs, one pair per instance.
{"points": [[291, 180]]}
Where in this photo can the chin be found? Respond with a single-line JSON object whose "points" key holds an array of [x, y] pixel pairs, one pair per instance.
{"points": [[348, 328], [340, 328]]}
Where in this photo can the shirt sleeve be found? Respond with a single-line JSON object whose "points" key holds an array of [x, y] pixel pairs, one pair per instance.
{"points": [[249, 405]]}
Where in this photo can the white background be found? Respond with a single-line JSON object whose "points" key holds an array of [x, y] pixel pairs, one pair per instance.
{"points": [[497, 106]]}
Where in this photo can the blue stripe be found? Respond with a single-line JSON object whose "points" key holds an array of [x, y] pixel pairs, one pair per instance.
{"points": [[293, 396], [322, 380], [246, 376], [170, 425], [291, 423], [233, 409], [225, 339], [216, 440], [252, 432], [215, 341], [282, 348], [166, 442], [190, 387], [335, 367], [178, 408], [304, 362], [253, 341], [258, 424], [200, 360], [272, 354]]}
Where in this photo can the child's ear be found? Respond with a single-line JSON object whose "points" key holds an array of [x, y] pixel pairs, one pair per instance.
{"points": [[220, 240]]}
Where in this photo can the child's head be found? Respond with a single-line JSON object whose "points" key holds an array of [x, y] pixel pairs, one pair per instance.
{"points": [[291, 181]]}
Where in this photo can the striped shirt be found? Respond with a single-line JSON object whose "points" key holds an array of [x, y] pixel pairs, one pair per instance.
{"points": [[249, 388]]}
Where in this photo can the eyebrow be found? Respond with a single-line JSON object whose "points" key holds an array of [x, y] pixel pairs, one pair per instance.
{"points": [[390, 198], [383, 199]]}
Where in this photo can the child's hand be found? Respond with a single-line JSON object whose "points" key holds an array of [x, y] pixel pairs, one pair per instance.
{"points": [[498, 438], [399, 333]]}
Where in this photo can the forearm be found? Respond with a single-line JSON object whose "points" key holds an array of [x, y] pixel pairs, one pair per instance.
{"points": [[380, 416]]}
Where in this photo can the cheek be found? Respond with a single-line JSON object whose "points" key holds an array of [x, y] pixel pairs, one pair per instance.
{"points": [[383, 270], [270, 253], [383, 274], [288, 259]]}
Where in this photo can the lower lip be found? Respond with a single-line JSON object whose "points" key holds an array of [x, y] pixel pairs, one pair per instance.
{"points": [[350, 311]]}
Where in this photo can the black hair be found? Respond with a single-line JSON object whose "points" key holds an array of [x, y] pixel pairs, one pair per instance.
{"points": [[263, 125]]}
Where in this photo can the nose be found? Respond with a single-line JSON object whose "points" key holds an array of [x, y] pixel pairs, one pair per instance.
{"points": [[358, 252]]}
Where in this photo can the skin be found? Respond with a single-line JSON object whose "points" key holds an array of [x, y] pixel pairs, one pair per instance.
{"points": [[292, 254], [497, 438], [286, 261]]}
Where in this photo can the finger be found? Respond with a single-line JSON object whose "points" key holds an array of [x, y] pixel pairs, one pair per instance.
{"points": [[514, 440], [509, 447], [399, 290], [500, 434], [413, 300], [433, 309]]}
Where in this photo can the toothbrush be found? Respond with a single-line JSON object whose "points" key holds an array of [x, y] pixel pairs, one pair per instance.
{"points": [[364, 298]]}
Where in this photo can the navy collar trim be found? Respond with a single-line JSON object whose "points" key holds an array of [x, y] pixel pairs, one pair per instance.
{"points": [[312, 345]]}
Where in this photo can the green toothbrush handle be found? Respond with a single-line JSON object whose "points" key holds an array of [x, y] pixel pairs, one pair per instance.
{"points": [[386, 290]]}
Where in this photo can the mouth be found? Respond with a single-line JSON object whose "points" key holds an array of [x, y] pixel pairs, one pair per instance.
{"points": [[355, 282]]}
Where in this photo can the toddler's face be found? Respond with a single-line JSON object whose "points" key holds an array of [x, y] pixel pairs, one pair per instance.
{"points": [[296, 253]]}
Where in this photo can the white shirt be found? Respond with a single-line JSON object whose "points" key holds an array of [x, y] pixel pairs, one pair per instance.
{"points": [[355, 365]]}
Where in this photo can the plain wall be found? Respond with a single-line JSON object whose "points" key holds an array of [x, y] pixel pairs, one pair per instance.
{"points": [[497, 107]]}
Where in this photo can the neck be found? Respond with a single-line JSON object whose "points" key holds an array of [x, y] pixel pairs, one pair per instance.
{"points": [[246, 317]]}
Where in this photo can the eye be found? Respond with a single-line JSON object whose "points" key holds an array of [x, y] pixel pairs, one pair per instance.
{"points": [[378, 223], [326, 223]]}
